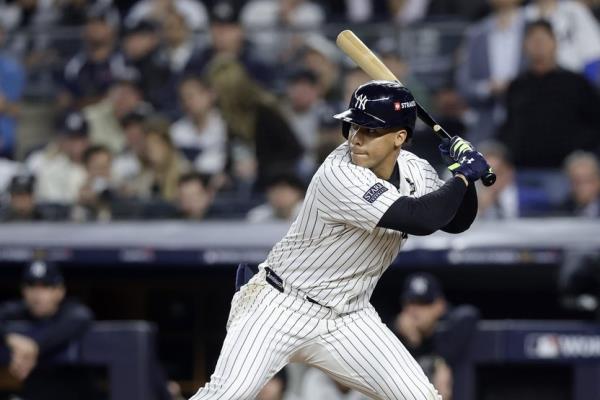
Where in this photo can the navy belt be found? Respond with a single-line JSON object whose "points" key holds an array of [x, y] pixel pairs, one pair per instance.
{"points": [[274, 280]]}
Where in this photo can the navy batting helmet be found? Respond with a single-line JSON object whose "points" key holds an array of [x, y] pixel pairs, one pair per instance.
{"points": [[380, 104]]}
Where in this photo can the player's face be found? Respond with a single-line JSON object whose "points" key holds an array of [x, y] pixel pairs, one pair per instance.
{"points": [[42, 300], [424, 315], [375, 149]]}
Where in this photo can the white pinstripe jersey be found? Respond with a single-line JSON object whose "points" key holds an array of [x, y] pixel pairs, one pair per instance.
{"points": [[334, 252]]}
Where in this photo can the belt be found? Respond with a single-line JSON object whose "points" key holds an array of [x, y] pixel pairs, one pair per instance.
{"points": [[274, 280]]}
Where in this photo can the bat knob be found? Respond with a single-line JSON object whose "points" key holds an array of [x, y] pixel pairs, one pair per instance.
{"points": [[489, 178]]}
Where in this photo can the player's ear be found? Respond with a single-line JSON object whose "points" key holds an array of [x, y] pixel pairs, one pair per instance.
{"points": [[400, 138]]}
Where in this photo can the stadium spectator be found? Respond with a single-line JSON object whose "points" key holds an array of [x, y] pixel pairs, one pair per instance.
{"points": [[583, 171], [429, 327], [194, 198], [356, 11], [88, 75], [128, 163], [159, 177], [287, 13], [193, 12], [323, 58], [546, 101], [405, 12], [179, 46], [262, 17], [229, 39], [576, 31], [257, 127], [303, 107], [123, 97], [284, 199], [54, 323], [492, 57], [58, 167], [27, 21], [141, 49], [316, 385], [201, 134], [12, 83], [99, 191], [73, 12], [181, 54], [22, 206], [8, 169], [507, 199]]}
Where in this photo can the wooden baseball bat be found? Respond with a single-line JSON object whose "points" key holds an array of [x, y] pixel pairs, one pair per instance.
{"points": [[376, 69]]}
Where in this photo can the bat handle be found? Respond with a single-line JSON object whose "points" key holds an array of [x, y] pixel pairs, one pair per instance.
{"points": [[489, 178]]}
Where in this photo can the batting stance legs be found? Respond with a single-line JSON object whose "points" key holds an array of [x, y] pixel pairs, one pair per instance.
{"points": [[268, 329]]}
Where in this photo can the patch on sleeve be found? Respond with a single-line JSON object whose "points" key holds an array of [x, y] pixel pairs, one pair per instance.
{"points": [[374, 192]]}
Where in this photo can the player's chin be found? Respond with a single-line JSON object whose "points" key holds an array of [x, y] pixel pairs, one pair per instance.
{"points": [[360, 159]]}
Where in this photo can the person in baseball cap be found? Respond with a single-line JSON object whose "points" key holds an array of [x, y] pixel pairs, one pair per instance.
{"points": [[73, 124], [42, 273], [433, 331], [43, 288], [48, 324], [421, 288], [22, 205]]}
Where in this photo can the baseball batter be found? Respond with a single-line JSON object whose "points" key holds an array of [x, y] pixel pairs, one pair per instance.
{"points": [[309, 302]]}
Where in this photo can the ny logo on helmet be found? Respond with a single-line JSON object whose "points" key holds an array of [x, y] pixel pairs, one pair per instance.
{"points": [[361, 101]]}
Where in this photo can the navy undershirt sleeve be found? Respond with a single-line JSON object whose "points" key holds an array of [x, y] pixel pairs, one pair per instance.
{"points": [[467, 211], [433, 211]]}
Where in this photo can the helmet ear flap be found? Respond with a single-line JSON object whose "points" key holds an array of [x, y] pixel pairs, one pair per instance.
{"points": [[345, 129]]}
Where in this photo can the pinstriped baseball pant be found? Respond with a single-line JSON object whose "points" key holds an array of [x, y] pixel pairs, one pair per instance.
{"points": [[268, 329]]}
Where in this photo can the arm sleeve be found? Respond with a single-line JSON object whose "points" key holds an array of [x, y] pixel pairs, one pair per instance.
{"points": [[466, 213], [426, 214], [10, 311], [349, 194], [70, 324]]}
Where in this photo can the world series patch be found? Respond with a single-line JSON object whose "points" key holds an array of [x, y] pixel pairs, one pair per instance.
{"points": [[374, 192]]}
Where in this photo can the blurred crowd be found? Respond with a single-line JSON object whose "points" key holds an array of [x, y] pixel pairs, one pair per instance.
{"points": [[222, 109]]}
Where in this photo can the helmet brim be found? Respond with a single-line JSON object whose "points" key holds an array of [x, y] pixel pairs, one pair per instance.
{"points": [[360, 118]]}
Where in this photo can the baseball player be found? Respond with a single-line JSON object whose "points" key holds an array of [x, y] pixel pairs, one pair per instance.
{"points": [[309, 301]]}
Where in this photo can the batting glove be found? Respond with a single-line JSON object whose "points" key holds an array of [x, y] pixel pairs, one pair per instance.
{"points": [[472, 165], [453, 149]]}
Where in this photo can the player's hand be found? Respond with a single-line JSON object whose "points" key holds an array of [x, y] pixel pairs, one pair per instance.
{"points": [[472, 165], [24, 354], [453, 149], [458, 147]]}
